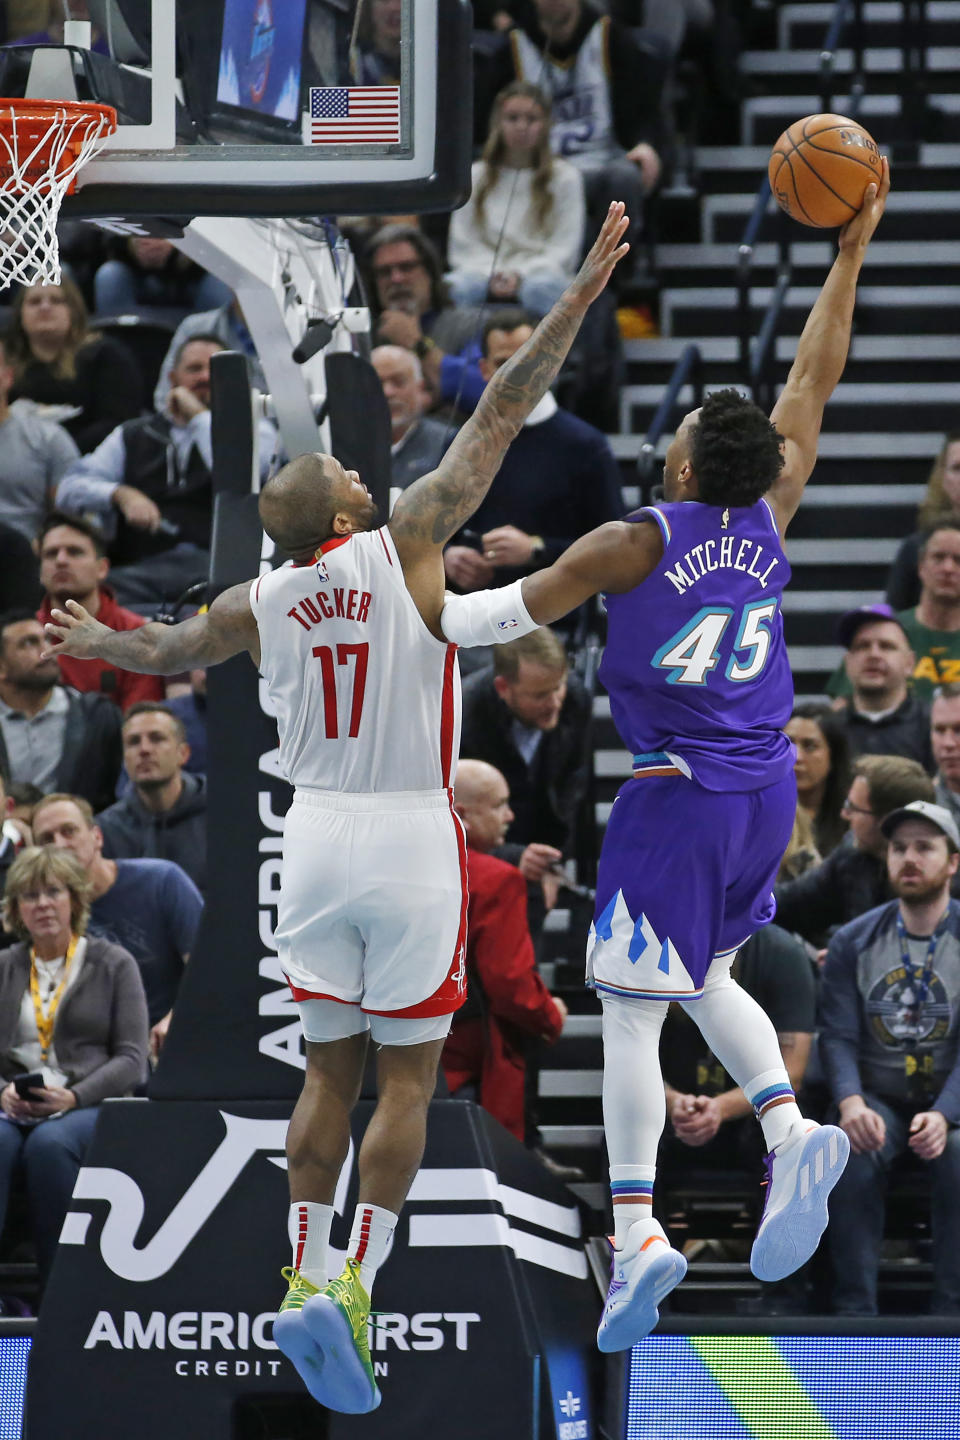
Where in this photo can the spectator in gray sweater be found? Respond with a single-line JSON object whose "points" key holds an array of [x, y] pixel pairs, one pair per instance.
{"points": [[35, 452], [84, 1037], [890, 1044]]}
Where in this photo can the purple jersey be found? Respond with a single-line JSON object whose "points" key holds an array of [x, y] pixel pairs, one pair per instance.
{"points": [[695, 663]]}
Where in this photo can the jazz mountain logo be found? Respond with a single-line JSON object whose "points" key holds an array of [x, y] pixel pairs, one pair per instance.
{"points": [[244, 1139], [460, 1190]]}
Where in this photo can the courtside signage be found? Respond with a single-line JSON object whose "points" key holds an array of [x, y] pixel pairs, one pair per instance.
{"points": [[166, 1282]]}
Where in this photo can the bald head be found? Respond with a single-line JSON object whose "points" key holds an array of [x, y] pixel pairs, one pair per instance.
{"points": [[311, 499], [482, 800], [474, 779]]}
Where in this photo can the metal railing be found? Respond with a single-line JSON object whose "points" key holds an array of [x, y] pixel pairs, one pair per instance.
{"points": [[846, 12], [688, 370], [757, 357]]}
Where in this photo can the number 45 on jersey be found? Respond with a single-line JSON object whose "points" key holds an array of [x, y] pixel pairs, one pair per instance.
{"points": [[693, 653]]}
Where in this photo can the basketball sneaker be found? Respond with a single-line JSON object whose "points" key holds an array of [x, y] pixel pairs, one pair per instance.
{"points": [[292, 1336], [800, 1173], [642, 1273], [336, 1320]]}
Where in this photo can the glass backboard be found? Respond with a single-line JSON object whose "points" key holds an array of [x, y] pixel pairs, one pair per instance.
{"points": [[256, 107]]}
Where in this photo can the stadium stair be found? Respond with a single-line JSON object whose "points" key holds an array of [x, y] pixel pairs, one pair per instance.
{"points": [[882, 429]]}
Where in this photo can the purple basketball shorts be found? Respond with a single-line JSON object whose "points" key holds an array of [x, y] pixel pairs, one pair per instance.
{"points": [[686, 875]]}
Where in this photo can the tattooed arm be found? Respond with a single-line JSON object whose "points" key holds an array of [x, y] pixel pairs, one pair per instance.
{"points": [[435, 507], [226, 629]]}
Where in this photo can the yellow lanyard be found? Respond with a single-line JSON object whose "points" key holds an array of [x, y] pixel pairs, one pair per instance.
{"points": [[45, 1023]]}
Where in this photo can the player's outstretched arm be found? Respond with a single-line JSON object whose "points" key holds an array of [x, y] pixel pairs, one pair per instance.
{"points": [[613, 558], [821, 356], [226, 629], [436, 506]]}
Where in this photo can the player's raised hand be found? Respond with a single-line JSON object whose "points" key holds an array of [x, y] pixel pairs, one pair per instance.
{"points": [[605, 253], [74, 631], [857, 233]]}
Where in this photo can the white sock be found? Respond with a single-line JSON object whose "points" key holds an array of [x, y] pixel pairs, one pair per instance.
{"points": [[772, 1097], [370, 1240], [629, 1185], [741, 1035], [309, 1228]]}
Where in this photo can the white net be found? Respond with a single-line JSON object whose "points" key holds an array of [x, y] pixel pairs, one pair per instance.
{"points": [[41, 151]]}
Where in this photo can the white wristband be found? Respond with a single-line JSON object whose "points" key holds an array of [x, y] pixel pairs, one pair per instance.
{"points": [[487, 617]]}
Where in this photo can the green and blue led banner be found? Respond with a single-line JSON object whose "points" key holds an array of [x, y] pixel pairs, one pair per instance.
{"points": [[794, 1387]]}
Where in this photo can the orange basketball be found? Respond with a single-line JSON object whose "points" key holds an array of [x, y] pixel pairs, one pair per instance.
{"points": [[820, 168]]}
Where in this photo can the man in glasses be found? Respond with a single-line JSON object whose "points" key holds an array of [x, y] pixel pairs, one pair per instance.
{"points": [[415, 313], [853, 878]]}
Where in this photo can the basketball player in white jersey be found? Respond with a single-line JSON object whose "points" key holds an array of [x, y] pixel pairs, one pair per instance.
{"points": [[372, 915]]}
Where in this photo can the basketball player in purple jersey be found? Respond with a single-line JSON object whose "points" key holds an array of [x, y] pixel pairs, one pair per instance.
{"points": [[700, 689]]}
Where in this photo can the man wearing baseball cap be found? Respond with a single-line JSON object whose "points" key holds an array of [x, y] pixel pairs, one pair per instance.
{"points": [[890, 1044], [883, 717]]}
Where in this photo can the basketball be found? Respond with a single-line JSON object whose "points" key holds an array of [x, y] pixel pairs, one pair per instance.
{"points": [[820, 168]]}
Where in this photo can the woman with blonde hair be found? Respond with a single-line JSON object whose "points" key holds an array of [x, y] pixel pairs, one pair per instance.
{"points": [[58, 361], [73, 1032], [942, 498], [520, 235], [801, 853]]}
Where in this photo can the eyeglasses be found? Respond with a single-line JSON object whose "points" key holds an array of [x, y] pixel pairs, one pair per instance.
{"points": [[399, 267], [849, 809]]}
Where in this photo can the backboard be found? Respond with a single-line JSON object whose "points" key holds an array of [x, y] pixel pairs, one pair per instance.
{"points": [[256, 108]]}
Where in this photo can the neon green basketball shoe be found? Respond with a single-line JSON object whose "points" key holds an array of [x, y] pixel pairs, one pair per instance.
{"points": [[292, 1336], [336, 1320]]}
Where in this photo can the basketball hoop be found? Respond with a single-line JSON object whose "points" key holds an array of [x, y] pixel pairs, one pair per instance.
{"points": [[43, 144]]}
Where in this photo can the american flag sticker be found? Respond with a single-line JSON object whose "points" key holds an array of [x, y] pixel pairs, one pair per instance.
{"points": [[352, 115]]}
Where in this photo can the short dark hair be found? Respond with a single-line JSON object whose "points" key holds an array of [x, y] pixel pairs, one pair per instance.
{"points": [[893, 781], [734, 450], [948, 522], [205, 338], [14, 617], [24, 793], [150, 707], [509, 318], [297, 505], [75, 522], [427, 254]]}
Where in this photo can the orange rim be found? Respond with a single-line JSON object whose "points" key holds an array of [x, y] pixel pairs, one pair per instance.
{"points": [[37, 126]]}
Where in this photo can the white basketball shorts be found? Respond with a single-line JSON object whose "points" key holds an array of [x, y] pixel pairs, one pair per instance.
{"points": [[373, 902]]}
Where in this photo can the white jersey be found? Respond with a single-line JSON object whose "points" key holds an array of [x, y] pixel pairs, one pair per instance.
{"points": [[581, 124], [366, 698]]}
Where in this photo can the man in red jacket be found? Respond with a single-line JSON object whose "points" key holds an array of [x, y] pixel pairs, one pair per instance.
{"points": [[73, 566], [506, 999]]}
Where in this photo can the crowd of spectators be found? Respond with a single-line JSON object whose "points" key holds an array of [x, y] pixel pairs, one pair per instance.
{"points": [[102, 793], [105, 497]]}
